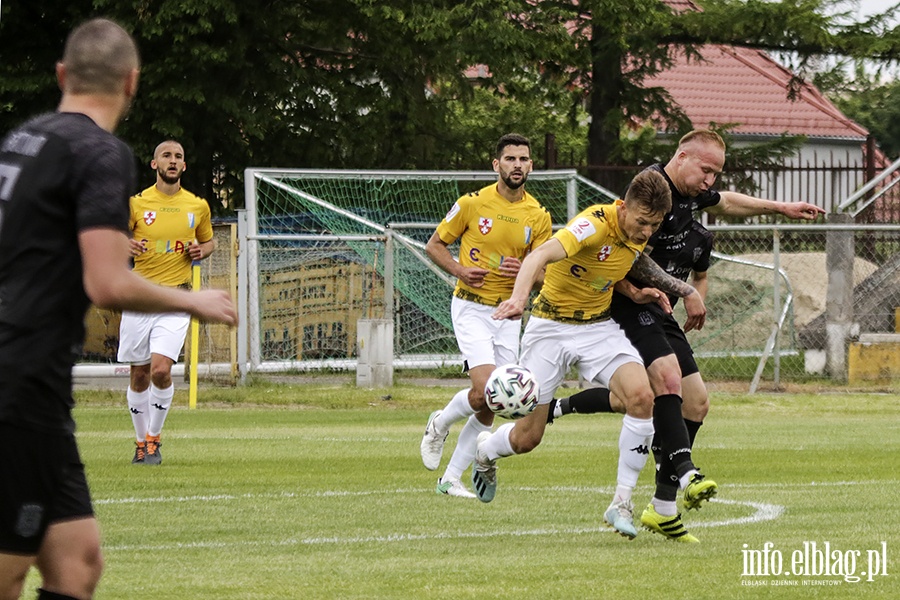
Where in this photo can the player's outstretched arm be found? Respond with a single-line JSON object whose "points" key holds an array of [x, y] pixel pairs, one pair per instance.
{"points": [[735, 204], [109, 283], [700, 281]]}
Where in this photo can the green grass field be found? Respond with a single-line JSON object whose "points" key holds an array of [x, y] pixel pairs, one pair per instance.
{"points": [[317, 491]]}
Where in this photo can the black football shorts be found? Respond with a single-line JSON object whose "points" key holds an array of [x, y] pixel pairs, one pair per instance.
{"points": [[43, 482]]}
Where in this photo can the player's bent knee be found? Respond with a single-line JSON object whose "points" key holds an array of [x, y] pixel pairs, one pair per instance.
{"points": [[665, 375], [162, 379], [694, 411], [476, 400], [639, 404]]}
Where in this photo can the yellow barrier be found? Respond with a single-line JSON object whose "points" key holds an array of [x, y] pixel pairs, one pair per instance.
{"points": [[195, 340], [875, 357]]}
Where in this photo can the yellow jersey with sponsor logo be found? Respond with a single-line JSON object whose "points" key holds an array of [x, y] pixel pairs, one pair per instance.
{"points": [[490, 228], [579, 287], [167, 225]]}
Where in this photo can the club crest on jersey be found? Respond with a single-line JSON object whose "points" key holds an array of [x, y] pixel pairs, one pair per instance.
{"points": [[149, 216], [485, 225], [604, 253], [527, 235], [191, 220]]}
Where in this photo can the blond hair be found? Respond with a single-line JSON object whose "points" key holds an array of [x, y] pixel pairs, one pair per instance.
{"points": [[704, 136]]}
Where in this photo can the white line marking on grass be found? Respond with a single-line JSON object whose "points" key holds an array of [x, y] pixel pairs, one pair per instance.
{"points": [[764, 512], [555, 488], [891, 482], [218, 497], [379, 539]]}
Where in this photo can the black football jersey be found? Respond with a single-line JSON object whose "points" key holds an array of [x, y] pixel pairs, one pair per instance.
{"points": [[60, 174]]}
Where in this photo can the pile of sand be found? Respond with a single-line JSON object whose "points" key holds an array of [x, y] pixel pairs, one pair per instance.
{"points": [[808, 278]]}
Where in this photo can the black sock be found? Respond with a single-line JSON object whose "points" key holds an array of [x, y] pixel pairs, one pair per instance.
{"points": [[665, 474], [657, 451], [45, 595], [692, 427], [666, 490], [591, 400], [672, 433]]}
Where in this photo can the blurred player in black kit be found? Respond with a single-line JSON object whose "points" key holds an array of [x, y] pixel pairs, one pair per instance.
{"points": [[65, 180]]}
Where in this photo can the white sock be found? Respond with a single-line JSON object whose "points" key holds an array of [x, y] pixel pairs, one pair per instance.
{"points": [[623, 492], [667, 508], [685, 479], [464, 453], [139, 407], [456, 410], [160, 401], [498, 445], [634, 449], [557, 409]]}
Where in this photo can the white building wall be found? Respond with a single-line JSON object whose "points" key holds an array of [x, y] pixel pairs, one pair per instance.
{"points": [[824, 172]]}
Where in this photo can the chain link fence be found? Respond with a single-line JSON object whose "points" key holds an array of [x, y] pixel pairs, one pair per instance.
{"points": [[787, 302]]}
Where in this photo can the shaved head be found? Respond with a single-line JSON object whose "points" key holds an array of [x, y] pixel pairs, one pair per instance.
{"points": [[176, 146], [98, 55]]}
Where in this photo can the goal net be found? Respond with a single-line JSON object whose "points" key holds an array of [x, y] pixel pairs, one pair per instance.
{"points": [[328, 248]]}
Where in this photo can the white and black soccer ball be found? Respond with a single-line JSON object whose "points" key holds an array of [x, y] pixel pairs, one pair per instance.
{"points": [[511, 391]]}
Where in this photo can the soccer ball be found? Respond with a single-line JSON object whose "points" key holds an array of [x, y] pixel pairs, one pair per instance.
{"points": [[511, 391]]}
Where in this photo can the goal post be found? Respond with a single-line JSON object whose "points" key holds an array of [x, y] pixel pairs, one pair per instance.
{"points": [[326, 249]]}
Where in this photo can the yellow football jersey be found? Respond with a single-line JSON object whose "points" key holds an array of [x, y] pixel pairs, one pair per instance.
{"points": [[167, 225], [491, 228], [579, 287]]}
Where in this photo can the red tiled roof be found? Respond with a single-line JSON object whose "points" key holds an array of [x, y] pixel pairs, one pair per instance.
{"points": [[680, 6], [745, 86]]}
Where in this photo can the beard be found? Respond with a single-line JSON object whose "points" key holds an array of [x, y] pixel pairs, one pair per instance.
{"points": [[514, 185], [170, 179]]}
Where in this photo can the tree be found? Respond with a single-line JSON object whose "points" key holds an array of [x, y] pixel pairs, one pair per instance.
{"points": [[27, 79], [319, 83], [384, 84], [867, 100], [878, 110], [619, 44]]}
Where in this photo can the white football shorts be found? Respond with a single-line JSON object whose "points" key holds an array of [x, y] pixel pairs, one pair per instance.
{"points": [[550, 349], [143, 334], [481, 339]]}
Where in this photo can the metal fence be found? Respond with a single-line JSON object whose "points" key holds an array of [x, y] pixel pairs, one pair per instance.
{"points": [[787, 301]]}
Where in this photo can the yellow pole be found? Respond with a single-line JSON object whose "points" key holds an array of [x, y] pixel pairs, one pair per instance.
{"points": [[195, 339]]}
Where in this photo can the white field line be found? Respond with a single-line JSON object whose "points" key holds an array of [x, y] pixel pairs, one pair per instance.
{"points": [[762, 512], [555, 488], [376, 539]]}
